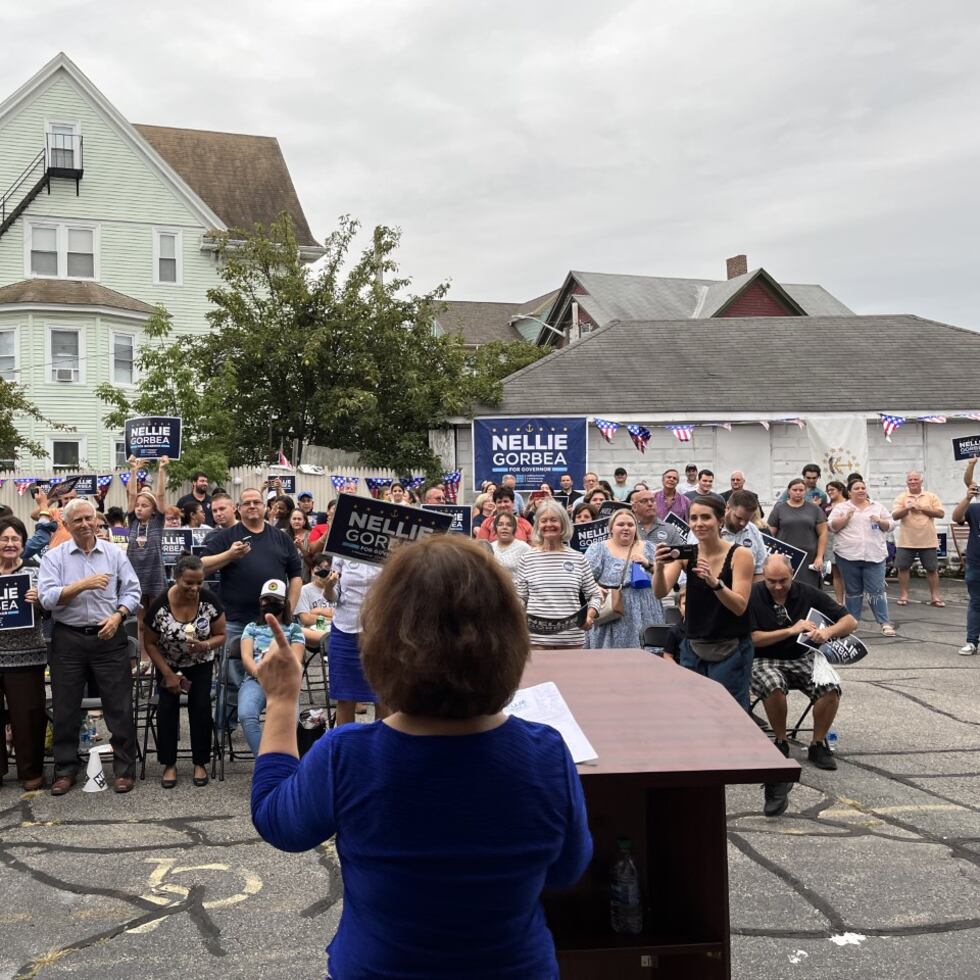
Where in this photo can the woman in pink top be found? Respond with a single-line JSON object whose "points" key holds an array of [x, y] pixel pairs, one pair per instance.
{"points": [[859, 525]]}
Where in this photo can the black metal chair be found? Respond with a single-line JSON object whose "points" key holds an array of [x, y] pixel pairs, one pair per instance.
{"points": [[318, 686], [232, 651], [657, 635]]}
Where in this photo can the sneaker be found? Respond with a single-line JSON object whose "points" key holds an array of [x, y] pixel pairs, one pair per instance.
{"points": [[777, 798], [821, 756], [969, 650], [783, 746]]}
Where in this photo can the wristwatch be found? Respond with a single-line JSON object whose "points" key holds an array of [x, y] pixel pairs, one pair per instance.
{"points": [[718, 587], [123, 611]]}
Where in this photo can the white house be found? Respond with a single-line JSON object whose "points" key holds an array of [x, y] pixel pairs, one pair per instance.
{"points": [[101, 221]]}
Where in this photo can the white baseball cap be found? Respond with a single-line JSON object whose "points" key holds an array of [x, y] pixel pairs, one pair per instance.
{"points": [[275, 587]]}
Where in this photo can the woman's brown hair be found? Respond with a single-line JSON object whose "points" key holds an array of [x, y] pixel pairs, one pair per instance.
{"points": [[444, 633]]}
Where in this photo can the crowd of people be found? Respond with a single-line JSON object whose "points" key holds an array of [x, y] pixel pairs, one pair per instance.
{"points": [[436, 639]]}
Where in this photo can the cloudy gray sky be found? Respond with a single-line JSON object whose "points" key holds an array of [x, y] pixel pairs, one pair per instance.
{"points": [[832, 141]]}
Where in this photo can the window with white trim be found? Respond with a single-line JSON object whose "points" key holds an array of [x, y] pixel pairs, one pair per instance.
{"points": [[62, 143], [8, 355], [123, 358], [44, 251], [64, 251], [119, 453], [66, 355], [168, 265], [66, 453]]}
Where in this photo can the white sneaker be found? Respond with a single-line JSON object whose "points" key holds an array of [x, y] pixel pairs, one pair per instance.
{"points": [[968, 650]]}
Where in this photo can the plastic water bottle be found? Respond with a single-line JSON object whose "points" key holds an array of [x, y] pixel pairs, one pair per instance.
{"points": [[832, 740], [625, 910], [84, 735]]}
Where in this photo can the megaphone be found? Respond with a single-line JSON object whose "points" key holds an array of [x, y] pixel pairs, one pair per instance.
{"points": [[96, 781]]}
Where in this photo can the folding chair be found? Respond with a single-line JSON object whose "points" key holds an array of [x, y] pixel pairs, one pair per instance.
{"points": [[658, 634], [317, 656], [222, 734], [960, 533], [150, 726], [791, 731]]}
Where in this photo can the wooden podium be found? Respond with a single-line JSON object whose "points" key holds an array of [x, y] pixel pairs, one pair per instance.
{"points": [[668, 742]]}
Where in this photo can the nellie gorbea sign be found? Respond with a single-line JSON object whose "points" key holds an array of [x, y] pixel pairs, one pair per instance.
{"points": [[535, 450]]}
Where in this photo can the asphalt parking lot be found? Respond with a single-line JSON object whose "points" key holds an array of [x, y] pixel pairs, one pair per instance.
{"points": [[874, 871]]}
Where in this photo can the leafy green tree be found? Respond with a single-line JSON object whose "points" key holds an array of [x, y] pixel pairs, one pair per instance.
{"points": [[344, 357]]}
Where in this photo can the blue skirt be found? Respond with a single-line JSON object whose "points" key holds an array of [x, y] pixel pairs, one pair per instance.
{"points": [[347, 682]]}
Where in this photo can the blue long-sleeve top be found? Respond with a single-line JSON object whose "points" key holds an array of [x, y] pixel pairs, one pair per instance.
{"points": [[445, 844]]}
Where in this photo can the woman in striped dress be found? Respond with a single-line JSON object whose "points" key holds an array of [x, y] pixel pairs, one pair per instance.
{"points": [[554, 582]]}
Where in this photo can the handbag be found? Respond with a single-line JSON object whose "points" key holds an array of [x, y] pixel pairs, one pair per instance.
{"points": [[612, 607]]}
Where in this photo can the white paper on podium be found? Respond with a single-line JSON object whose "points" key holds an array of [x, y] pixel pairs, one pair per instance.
{"points": [[543, 703]]}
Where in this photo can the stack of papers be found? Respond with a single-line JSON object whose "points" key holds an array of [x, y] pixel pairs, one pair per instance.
{"points": [[543, 703]]}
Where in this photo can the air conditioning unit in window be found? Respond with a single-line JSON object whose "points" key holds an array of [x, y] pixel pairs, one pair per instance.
{"points": [[65, 374]]}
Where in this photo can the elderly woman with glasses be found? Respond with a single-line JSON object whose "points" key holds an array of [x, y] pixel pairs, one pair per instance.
{"points": [[23, 657], [555, 583]]}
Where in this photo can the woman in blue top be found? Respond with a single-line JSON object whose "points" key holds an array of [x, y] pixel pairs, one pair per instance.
{"points": [[256, 638], [450, 817]]}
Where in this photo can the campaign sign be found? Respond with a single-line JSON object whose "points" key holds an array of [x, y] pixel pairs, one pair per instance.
{"points": [[363, 529], [176, 542], [796, 556], [679, 523], [153, 436], [840, 651], [54, 491], [534, 450], [966, 447], [288, 482], [546, 626], [15, 611], [86, 486], [561, 499], [461, 514], [585, 534], [609, 507]]}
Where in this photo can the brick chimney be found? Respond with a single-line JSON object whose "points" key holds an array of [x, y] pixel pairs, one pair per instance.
{"points": [[737, 265]]}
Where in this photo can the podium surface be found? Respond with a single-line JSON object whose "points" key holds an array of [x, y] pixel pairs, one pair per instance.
{"points": [[668, 742]]}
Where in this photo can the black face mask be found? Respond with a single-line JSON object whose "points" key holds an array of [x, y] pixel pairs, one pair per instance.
{"points": [[274, 606], [321, 572]]}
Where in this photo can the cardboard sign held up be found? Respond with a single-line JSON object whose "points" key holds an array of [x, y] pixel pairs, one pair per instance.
{"points": [[966, 447], [588, 533], [609, 507], [679, 523], [461, 514], [15, 611], [176, 542], [153, 436], [363, 529], [796, 556], [288, 481]]}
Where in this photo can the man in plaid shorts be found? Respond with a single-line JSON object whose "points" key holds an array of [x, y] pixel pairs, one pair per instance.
{"points": [[778, 609]]}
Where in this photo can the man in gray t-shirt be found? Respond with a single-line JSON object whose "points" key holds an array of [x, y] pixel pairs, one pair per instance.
{"points": [[649, 527]]}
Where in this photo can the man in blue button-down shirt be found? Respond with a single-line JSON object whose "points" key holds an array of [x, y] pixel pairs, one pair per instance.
{"points": [[90, 588]]}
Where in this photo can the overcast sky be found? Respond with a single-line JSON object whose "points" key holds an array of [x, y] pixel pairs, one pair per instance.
{"points": [[833, 141]]}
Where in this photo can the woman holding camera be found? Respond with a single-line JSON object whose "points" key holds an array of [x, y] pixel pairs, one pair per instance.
{"points": [[450, 816], [719, 580]]}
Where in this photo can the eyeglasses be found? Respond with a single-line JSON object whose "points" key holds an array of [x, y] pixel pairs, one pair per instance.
{"points": [[783, 617]]}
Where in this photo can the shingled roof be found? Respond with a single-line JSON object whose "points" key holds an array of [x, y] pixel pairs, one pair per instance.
{"points": [[661, 298], [479, 323], [69, 292], [792, 365], [243, 179]]}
